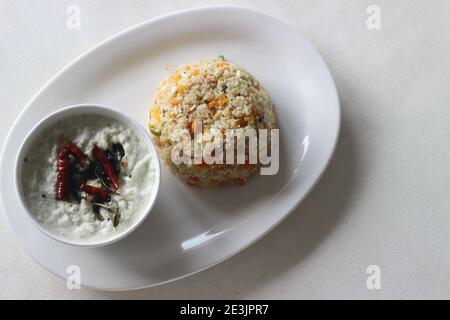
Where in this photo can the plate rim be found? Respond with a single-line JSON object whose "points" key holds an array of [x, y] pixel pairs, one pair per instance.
{"points": [[136, 27]]}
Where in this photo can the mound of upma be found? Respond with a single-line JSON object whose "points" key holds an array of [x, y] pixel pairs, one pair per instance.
{"points": [[220, 96]]}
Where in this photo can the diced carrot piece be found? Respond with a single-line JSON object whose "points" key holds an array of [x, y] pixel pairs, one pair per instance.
{"points": [[223, 100], [249, 119], [213, 104], [176, 77], [181, 89]]}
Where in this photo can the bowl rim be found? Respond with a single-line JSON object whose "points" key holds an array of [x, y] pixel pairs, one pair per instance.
{"points": [[90, 109]]}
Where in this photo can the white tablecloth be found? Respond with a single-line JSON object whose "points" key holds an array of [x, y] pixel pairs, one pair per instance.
{"points": [[385, 199]]}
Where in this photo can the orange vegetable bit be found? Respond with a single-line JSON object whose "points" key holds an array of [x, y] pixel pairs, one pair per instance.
{"points": [[223, 100]]}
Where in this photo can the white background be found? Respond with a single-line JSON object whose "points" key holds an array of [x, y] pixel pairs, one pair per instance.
{"points": [[385, 198]]}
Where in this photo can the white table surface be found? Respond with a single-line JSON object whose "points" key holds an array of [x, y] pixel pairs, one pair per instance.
{"points": [[385, 199]]}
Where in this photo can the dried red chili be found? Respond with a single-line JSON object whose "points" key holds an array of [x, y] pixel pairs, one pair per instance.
{"points": [[100, 156], [99, 195], [76, 151], [62, 168]]}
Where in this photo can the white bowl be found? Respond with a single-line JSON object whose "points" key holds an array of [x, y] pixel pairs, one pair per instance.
{"points": [[100, 111]]}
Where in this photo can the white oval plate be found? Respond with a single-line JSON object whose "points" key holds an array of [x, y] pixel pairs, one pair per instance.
{"points": [[189, 229]]}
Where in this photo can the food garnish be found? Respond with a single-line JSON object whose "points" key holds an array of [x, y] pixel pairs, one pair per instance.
{"points": [[75, 169], [96, 209], [74, 182], [113, 212], [76, 151], [155, 131], [100, 156], [62, 167], [118, 151], [99, 195], [100, 174], [112, 158]]}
